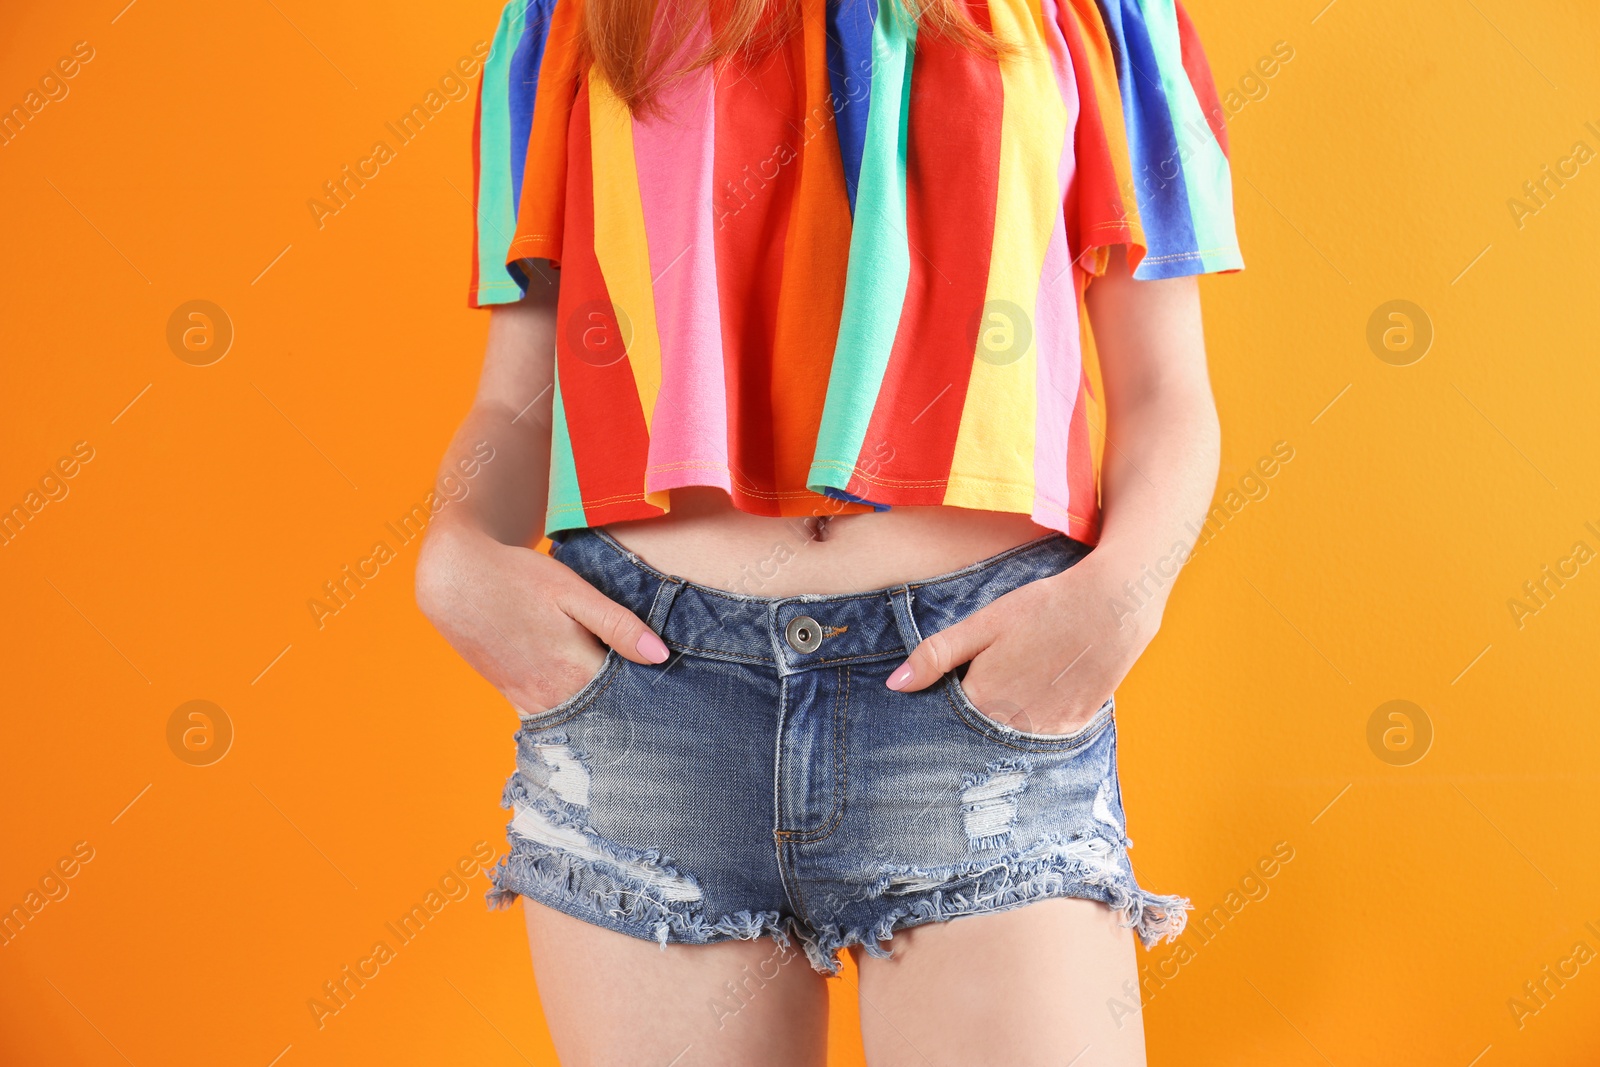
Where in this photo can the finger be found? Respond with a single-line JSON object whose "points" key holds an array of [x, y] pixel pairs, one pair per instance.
{"points": [[612, 623], [939, 653]]}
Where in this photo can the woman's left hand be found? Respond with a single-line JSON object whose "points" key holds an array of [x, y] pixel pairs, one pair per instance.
{"points": [[1044, 657]]}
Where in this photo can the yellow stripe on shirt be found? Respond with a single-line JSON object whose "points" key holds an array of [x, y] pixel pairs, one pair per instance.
{"points": [[992, 468]]}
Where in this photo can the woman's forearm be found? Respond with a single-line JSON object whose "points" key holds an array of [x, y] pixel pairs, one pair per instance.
{"points": [[1162, 441], [1159, 473], [506, 434], [505, 498], [531, 626]]}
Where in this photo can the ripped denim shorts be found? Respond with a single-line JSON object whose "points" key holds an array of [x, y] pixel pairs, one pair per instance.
{"points": [[765, 782]]}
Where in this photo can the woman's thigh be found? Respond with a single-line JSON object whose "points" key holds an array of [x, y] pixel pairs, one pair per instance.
{"points": [[1025, 987], [611, 1000]]}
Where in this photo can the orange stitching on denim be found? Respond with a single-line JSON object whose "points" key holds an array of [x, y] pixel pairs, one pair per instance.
{"points": [[723, 652], [539, 724], [1068, 742], [797, 896], [849, 659], [841, 772]]}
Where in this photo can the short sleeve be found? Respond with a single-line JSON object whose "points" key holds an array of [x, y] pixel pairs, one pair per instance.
{"points": [[1152, 151], [519, 147]]}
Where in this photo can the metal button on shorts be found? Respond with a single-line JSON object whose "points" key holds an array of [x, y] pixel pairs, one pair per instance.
{"points": [[803, 633]]}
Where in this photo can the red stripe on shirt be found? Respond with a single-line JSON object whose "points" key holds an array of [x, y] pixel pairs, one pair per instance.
{"points": [[753, 196], [605, 423], [952, 187]]}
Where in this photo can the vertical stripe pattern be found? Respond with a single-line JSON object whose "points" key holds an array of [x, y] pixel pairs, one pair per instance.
{"points": [[847, 272]]}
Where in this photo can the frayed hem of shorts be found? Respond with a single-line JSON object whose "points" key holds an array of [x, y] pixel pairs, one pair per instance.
{"points": [[998, 886], [586, 891]]}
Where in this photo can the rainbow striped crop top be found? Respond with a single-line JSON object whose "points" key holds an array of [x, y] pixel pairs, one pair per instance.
{"points": [[849, 274]]}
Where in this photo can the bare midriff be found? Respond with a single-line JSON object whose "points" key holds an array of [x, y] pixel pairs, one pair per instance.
{"points": [[703, 539]]}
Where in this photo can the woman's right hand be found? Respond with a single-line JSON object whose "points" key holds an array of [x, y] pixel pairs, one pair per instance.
{"points": [[527, 623]]}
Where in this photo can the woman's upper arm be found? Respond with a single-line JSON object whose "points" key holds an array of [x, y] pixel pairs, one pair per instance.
{"points": [[519, 358], [1147, 335]]}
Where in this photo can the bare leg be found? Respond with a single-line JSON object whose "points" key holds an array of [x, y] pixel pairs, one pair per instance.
{"points": [[1024, 988], [615, 1001]]}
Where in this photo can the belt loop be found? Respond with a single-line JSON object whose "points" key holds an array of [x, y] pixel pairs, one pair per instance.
{"points": [[666, 593], [900, 604]]}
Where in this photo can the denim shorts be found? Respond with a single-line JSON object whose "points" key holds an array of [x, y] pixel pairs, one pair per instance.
{"points": [[764, 781]]}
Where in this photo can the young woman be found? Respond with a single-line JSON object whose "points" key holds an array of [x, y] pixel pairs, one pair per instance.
{"points": [[829, 337]]}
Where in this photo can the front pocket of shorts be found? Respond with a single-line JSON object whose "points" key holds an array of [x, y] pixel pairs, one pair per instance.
{"points": [[995, 730], [579, 700]]}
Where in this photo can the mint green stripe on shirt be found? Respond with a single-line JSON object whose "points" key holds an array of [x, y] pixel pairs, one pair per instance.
{"points": [[564, 510], [1207, 178], [497, 215], [880, 258]]}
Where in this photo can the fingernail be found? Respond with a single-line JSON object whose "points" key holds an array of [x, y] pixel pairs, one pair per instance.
{"points": [[653, 648], [901, 677]]}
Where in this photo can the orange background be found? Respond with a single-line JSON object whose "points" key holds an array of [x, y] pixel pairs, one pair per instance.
{"points": [[1375, 165]]}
